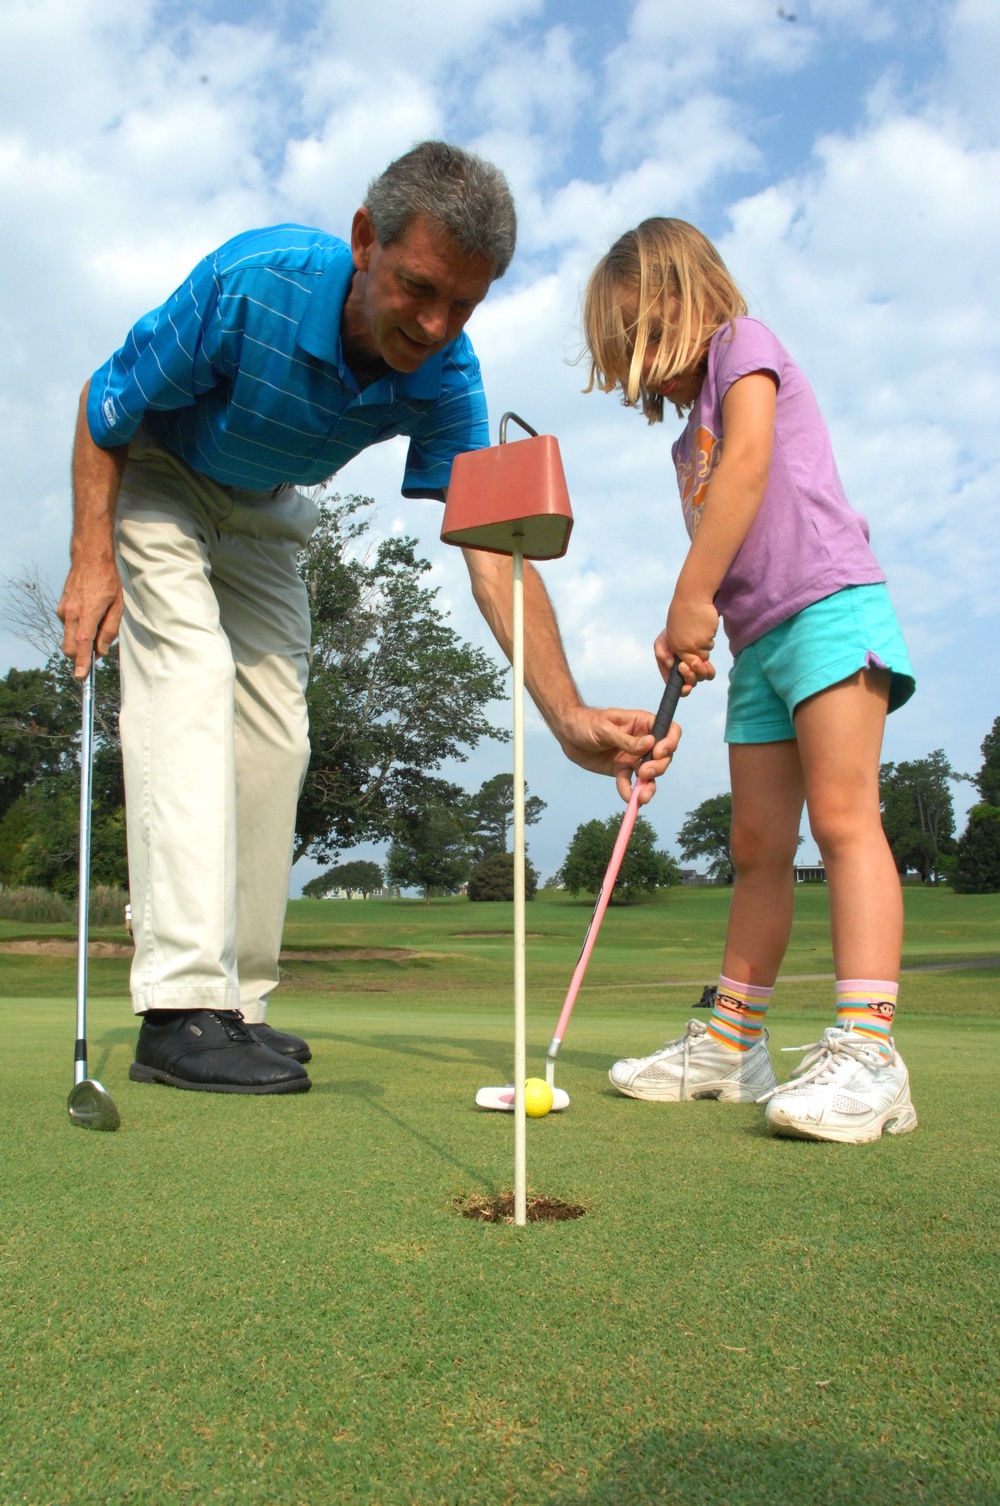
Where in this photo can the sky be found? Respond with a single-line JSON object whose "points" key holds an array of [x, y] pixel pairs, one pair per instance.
{"points": [[844, 154]]}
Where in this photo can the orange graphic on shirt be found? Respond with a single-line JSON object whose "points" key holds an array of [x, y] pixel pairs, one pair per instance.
{"points": [[694, 474]]}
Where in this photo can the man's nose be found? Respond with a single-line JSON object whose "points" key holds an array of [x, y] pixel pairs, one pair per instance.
{"points": [[433, 321]]}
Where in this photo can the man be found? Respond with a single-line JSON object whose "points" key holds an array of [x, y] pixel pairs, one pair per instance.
{"points": [[283, 355]]}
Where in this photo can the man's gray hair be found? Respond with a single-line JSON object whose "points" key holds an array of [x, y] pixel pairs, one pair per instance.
{"points": [[458, 190]]}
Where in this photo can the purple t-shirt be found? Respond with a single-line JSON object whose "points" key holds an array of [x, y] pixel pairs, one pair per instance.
{"points": [[806, 541]]}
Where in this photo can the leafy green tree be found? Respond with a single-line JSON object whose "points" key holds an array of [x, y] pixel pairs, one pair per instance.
{"points": [[706, 833], [491, 811], [644, 869], [357, 876], [492, 878], [987, 781], [977, 856], [38, 729], [918, 813], [40, 777], [40, 839], [430, 845], [393, 690]]}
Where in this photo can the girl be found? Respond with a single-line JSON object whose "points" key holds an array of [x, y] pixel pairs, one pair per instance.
{"points": [[777, 552]]}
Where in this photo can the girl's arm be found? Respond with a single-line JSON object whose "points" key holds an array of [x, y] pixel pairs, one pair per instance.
{"points": [[734, 495]]}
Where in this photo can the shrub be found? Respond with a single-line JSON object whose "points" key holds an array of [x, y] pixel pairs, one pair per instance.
{"points": [[30, 903], [107, 905], [493, 878]]}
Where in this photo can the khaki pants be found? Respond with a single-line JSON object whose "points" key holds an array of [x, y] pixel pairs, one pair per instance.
{"points": [[214, 658]]}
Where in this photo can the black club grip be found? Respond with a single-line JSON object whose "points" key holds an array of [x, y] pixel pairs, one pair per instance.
{"points": [[668, 705]]}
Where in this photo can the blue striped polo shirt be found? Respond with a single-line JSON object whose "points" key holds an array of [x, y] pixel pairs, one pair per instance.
{"points": [[242, 374]]}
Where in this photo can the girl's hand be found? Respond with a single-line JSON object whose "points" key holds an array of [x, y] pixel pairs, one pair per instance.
{"points": [[690, 637], [693, 667]]}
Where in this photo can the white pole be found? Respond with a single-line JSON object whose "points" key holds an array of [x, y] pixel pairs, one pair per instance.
{"points": [[520, 1055]]}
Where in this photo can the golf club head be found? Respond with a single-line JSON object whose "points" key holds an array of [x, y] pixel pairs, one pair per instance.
{"points": [[91, 1106], [503, 1099]]}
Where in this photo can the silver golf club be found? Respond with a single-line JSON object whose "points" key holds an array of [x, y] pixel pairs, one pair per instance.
{"points": [[89, 1104]]}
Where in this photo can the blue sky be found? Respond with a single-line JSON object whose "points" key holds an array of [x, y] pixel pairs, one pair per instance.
{"points": [[847, 162]]}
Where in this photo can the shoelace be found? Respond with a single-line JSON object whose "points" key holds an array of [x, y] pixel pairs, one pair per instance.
{"points": [[825, 1059], [232, 1023], [696, 1029]]}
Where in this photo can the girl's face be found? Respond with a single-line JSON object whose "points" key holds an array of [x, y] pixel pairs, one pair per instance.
{"points": [[683, 388]]}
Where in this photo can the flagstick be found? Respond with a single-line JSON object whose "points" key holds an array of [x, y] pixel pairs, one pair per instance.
{"points": [[520, 1055]]}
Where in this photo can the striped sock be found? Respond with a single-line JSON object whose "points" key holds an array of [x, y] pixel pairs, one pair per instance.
{"points": [[868, 1005], [738, 1014]]}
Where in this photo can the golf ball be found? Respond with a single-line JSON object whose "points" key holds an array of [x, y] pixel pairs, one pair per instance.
{"points": [[537, 1097]]}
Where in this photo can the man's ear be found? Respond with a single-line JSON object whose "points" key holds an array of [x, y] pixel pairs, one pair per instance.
{"points": [[363, 239]]}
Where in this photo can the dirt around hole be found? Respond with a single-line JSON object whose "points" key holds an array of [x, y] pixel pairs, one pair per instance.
{"points": [[498, 1208]]}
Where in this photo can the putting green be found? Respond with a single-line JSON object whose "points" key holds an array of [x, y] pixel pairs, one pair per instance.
{"points": [[274, 1300]]}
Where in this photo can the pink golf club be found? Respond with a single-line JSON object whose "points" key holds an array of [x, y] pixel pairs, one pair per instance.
{"points": [[503, 1098], [661, 726]]}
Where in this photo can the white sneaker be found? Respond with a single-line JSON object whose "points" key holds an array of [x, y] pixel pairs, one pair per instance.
{"points": [[844, 1090], [696, 1066]]}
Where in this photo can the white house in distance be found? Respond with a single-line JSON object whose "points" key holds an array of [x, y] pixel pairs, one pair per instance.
{"points": [[383, 893]]}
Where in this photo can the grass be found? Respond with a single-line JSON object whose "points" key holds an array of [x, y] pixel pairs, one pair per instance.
{"points": [[274, 1301]]}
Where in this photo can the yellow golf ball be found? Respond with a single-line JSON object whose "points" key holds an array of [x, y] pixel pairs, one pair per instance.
{"points": [[537, 1098]]}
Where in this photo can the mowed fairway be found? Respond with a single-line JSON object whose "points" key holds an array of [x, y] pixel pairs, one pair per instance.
{"points": [[274, 1300]]}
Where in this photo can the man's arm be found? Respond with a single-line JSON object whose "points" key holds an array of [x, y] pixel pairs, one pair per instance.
{"points": [[605, 741], [91, 603]]}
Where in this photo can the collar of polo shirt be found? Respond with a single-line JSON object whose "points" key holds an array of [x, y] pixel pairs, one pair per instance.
{"points": [[318, 332]]}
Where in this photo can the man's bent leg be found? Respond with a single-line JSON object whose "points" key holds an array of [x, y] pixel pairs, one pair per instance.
{"points": [[177, 727], [265, 613]]}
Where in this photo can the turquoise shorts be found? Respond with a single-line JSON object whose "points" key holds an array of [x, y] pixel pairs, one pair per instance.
{"points": [[823, 644]]}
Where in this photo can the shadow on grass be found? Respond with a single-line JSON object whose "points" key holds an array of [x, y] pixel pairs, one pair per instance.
{"points": [[762, 1469], [100, 1049], [491, 1054], [369, 1093], [435, 1048]]}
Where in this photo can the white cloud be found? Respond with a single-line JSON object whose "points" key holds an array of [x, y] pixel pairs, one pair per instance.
{"points": [[875, 263]]}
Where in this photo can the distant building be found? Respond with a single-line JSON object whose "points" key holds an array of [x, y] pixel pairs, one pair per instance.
{"points": [[382, 893], [810, 873], [692, 877]]}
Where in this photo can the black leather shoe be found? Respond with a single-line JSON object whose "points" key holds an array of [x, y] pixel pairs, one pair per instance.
{"points": [[211, 1051], [280, 1041]]}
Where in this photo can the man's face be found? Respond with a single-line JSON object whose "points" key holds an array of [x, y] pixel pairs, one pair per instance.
{"points": [[411, 298]]}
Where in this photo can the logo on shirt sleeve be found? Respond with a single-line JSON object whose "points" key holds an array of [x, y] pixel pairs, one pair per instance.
{"points": [[108, 409], [694, 474]]}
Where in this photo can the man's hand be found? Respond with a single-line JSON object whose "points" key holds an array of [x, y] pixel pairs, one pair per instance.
{"points": [[90, 610], [91, 604], [619, 743]]}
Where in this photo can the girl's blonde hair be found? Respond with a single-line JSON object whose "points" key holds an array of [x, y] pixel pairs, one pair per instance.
{"points": [[664, 273]]}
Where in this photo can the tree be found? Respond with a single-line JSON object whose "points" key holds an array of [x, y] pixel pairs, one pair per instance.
{"points": [[40, 839], [430, 845], [393, 690], [706, 833], [493, 878], [977, 856], [359, 875], [38, 727], [39, 757], [976, 867], [918, 813], [987, 781], [491, 812], [643, 868]]}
